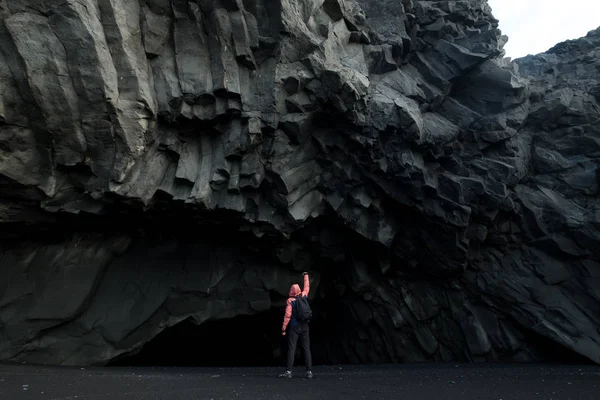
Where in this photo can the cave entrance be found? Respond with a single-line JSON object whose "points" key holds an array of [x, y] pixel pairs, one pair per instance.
{"points": [[549, 351], [245, 341], [235, 342]]}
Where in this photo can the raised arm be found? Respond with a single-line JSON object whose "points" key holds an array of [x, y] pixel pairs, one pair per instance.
{"points": [[306, 287]]}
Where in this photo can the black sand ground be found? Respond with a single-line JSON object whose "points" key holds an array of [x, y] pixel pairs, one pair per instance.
{"points": [[418, 382]]}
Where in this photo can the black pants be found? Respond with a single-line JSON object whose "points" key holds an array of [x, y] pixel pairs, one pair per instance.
{"points": [[301, 332]]}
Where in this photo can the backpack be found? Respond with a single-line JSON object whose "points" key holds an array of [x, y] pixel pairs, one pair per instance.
{"points": [[303, 310]]}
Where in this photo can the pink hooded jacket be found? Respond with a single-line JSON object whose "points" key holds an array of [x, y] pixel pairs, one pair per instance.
{"points": [[294, 291]]}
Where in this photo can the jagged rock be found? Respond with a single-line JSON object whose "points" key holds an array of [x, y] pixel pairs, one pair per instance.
{"points": [[167, 160]]}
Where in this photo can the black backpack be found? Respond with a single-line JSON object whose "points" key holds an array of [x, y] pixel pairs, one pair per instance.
{"points": [[303, 311]]}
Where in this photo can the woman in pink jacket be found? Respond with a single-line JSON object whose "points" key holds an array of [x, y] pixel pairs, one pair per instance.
{"points": [[296, 329]]}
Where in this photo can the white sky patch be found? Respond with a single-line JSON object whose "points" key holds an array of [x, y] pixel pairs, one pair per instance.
{"points": [[534, 26]]}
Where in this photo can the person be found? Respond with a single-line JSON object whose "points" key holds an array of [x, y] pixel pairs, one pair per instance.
{"points": [[296, 329]]}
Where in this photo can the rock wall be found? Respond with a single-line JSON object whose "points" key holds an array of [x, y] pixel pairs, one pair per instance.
{"points": [[170, 159]]}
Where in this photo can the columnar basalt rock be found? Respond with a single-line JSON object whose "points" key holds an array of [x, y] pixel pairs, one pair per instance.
{"points": [[168, 159]]}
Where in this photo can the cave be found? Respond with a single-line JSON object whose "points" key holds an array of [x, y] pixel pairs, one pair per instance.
{"points": [[548, 351], [235, 342], [241, 341], [248, 340]]}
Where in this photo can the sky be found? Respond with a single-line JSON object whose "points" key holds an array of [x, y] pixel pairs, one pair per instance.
{"points": [[534, 26]]}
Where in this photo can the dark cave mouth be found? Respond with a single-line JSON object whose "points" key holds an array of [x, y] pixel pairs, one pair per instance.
{"points": [[241, 341], [234, 342], [251, 340], [549, 351]]}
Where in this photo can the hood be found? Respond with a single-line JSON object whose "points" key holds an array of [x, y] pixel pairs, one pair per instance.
{"points": [[295, 290]]}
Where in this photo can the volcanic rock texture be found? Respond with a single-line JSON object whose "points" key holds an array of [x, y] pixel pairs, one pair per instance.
{"points": [[169, 160]]}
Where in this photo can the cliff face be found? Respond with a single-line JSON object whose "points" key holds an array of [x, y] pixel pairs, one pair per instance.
{"points": [[167, 159]]}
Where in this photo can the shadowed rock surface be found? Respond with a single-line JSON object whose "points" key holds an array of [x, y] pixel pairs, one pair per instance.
{"points": [[167, 160]]}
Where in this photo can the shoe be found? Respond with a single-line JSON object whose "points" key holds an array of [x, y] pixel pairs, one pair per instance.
{"points": [[309, 375], [286, 374]]}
